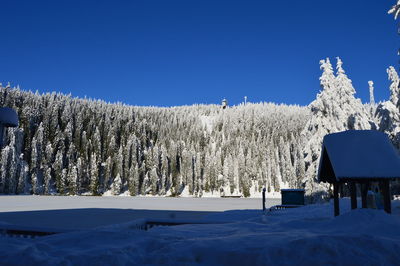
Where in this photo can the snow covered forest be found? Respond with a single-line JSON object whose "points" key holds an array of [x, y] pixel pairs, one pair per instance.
{"points": [[73, 146]]}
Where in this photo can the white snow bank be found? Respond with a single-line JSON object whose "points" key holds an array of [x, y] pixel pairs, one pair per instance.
{"points": [[306, 236]]}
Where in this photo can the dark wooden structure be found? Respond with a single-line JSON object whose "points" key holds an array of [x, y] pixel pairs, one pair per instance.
{"points": [[292, 196], [8, 118], [359, 157]]}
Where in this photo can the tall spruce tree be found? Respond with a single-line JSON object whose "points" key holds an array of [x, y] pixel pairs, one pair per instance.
{"points": [[335, 109]]}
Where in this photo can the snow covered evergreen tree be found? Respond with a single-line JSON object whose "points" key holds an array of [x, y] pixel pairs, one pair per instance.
{"points": [[387, 112], [371, 92], [395, 10], [335, 109]]}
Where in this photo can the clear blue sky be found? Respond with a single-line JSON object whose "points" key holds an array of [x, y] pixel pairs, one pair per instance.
{"points": [[168, 53]]}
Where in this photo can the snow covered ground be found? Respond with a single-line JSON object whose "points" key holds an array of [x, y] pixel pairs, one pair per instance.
{"points": [[308, 235], [29, 203], [79, 212]]}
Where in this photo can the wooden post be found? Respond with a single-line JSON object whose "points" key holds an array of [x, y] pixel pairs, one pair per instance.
{"points": [[364, 192], [263, 199], [384, 187], [341, 190], [336, 198], [353, 195]]}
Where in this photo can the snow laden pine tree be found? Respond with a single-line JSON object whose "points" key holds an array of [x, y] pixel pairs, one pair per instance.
{"points": [[335, 109], [395, 10], [371, 106], [387, 113], [371, 92], [357, 115]]}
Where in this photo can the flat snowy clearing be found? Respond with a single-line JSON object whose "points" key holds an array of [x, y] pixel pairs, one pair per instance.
{"points": [[309, 235], [79, 212]]}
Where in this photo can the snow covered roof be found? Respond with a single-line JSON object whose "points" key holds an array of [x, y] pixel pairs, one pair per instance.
{"points": [[8, 117], [358, 154]]}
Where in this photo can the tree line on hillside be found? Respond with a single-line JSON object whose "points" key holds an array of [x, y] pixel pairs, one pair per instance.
{"points": [[73, 146], [67, 145]]}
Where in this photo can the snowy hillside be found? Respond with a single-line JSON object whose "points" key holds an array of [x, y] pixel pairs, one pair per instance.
{"points": [[73, 146]]}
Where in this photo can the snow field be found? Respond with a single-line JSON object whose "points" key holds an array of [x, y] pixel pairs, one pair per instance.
{"points": [[79, 212], [308, 235]]}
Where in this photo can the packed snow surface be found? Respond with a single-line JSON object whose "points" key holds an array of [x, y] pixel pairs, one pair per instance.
{"points": [[308, 235], [79, 212]]}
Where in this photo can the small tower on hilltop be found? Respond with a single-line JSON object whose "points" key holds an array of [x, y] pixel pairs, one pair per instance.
{"points": [[245, 100], [224, 103]]}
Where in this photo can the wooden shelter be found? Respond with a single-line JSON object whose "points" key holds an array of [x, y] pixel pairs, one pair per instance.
{"points": [[8, 118], [359, 156]]}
